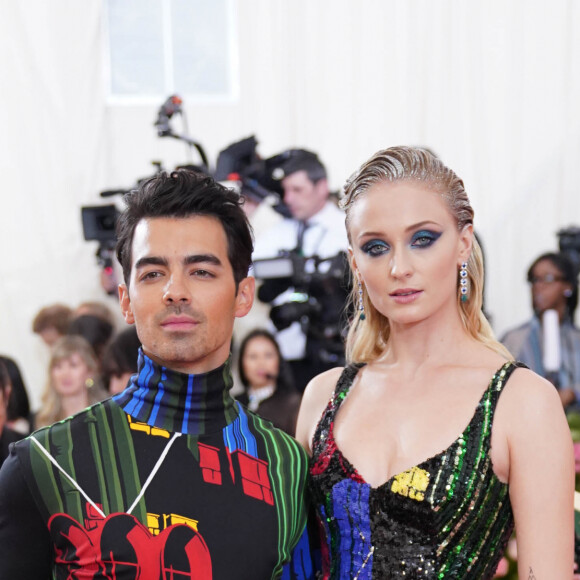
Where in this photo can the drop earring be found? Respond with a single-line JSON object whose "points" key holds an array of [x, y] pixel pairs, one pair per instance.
{"points": [[567, 293], [361, 306], [463, 282]]}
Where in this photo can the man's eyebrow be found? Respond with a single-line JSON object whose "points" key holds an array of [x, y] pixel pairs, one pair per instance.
{"points": [[150, 261], [202, 258], [188, 261]]}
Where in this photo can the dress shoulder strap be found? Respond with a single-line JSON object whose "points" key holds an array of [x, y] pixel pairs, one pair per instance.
{"points": [[327, 418], [497, 386], [344, 383]]}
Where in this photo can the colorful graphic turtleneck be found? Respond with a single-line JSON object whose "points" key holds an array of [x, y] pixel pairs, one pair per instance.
{"points": [[169, 479], [191, 404]]}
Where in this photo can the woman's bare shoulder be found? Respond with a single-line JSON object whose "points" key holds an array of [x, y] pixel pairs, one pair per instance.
{"points": [[322, 385], [530, 390], [530, 404], [316, 396]]}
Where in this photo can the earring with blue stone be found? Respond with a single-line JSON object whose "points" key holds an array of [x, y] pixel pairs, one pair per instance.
{"points": [[361, 306], [463, 282]]}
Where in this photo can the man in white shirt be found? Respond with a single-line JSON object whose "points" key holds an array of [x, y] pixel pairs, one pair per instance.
{"points": [[307, 307]]}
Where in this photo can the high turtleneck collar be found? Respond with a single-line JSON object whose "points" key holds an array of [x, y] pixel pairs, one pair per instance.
{"points": [[167, 399]]}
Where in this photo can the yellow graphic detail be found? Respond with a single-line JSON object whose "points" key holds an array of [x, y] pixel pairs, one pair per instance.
{"points": [[171, 519], [155, 525], [155, 431], [412, 483]]}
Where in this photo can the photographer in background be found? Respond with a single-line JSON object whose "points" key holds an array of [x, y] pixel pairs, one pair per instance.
{"points": [[307, 298]]}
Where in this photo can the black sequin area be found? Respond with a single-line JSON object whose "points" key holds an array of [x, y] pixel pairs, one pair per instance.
{"points": [[448, 517]]}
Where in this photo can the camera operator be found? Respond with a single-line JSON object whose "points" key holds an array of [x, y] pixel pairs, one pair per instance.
{"points": [[307, 303]]}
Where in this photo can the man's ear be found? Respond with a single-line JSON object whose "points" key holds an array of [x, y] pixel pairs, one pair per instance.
{"points": [[245, 296], [125, 302]]}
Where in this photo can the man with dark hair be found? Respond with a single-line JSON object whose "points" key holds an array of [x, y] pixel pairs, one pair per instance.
{"points": [[170, 478], [307, 307]]}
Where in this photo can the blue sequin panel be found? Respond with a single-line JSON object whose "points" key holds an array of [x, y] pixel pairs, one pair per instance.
{"points": [[350, 501]]}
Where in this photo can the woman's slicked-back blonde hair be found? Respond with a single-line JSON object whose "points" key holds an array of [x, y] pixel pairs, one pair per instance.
{"points": [[367, 339]]}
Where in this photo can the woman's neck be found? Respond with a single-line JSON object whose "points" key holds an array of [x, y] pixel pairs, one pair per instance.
{"points": [[433, 340]]}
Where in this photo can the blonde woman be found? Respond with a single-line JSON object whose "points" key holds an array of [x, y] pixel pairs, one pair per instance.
{"points": [[73, 382], [432, 442]]}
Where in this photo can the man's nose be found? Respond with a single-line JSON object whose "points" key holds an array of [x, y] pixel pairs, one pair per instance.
{"points": [[176, 290]]}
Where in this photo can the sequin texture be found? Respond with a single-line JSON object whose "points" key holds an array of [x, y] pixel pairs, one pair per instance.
{"points": [[448, 517]]}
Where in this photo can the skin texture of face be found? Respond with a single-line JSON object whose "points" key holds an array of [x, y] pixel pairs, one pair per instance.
{"points": [[260, 362], [69, 375], [407, 251], [303, 197], [548, 295], [182, 294]]}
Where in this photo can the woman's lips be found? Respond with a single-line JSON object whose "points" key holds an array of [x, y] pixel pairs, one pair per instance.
{"points": [[405, 295]]}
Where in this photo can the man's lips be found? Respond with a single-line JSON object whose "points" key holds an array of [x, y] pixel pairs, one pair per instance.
{"points": [[179, 323]]}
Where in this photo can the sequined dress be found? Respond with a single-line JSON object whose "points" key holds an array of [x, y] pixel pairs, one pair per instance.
{"points": [[448, 517]]}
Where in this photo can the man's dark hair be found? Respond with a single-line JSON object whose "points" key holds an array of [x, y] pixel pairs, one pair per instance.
{"points": [[182, 194], [295, 160]]}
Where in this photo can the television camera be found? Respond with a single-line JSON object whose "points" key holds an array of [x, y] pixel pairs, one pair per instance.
{"points": [[314, 291]]}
